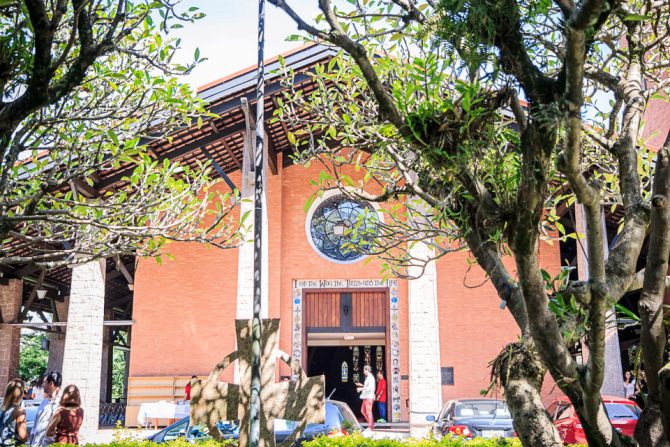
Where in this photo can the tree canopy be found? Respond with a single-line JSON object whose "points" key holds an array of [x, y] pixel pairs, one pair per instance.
{"points": [[491, 118], [86, 87]]}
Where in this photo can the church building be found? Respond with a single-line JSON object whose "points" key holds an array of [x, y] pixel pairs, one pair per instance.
{"points": [[432, 337]]}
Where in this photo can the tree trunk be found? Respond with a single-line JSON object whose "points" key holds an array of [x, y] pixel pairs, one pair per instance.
{"points": [[649, 429], [596, 424], [664, 389], [520, 371]]}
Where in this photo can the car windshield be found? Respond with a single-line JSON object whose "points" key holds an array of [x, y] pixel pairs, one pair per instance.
{"points": [[482, 408], [176, 431], [621, 411]]}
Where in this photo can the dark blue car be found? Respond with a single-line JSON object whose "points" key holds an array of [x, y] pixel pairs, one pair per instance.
{"points": [[340, 420], [487, 418]]}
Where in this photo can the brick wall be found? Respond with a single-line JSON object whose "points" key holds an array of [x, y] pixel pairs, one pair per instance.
{"points": [[473, 329], [656, 123], [184, 309], [10, 302]]}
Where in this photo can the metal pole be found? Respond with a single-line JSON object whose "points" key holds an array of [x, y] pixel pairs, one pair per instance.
{"points": [[256, 328]]}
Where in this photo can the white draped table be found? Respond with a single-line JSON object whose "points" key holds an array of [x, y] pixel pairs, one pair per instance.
{"points": [[162, 410]]}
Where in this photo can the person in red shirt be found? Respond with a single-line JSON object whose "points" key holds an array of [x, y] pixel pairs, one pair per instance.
{"points": [[187, 389], [380, 395]]}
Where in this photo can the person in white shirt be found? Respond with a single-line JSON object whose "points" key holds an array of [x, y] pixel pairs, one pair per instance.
{"points": [[367, 391], [37, 389], [38, 435], [629, 385]]}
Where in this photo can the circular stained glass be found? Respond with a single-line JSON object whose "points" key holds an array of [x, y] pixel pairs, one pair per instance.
{"points": [[342, 228]]}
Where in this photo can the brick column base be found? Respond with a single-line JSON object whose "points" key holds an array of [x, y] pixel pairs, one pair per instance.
{"points": [[10, 336]]}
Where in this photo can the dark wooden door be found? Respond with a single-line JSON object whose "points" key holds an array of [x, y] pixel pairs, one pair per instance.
{"points": [[345, 311]]}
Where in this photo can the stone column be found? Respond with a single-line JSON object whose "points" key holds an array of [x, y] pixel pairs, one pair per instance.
{"points": [[613, 378], [245, 261], [10, 303], [425, 385], [83, 340], [57, 341]]}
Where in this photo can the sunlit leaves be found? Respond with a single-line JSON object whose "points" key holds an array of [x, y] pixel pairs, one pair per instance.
{"points": [[130, 96]]}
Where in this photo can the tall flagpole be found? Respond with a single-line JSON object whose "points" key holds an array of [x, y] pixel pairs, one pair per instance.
{"points": [[256, 328]]}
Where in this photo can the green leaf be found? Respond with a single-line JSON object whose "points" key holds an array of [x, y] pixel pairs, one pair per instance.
{"points": [[309, 202], [636, 18]]}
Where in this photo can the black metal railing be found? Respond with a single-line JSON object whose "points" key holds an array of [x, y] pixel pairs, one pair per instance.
{"points": [[110, 413]]}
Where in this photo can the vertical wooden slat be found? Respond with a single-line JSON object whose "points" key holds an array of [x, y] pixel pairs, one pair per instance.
{"points": [[319, 314], [369, 309], [322, 309]]}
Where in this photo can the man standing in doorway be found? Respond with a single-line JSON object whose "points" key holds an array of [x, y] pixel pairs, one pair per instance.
{"points": [[367, 391], [38, 435], [381, 395]]}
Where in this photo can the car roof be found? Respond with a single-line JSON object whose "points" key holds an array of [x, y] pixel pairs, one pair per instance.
{"points": [[480, 399], [606, 399]]}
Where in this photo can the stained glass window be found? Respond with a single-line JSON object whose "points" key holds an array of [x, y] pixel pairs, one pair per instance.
{"points": [[342, 228]]}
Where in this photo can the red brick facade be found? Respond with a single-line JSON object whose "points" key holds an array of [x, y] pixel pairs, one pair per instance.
{"points": [[184, 309]]}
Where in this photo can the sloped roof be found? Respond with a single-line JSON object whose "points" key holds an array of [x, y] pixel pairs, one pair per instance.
{"points": [[219, 139]]}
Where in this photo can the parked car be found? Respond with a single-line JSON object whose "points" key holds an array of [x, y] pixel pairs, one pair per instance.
{"points": [[488, 418], [340, 420], [623, 413]]}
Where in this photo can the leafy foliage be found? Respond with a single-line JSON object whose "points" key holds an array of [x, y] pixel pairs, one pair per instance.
{"points": [[478, 123], [118, 373], [86, 89], [33, 360], [359, 440]]}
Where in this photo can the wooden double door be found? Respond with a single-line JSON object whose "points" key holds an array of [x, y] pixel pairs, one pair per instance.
{"points": [[346, 311]]}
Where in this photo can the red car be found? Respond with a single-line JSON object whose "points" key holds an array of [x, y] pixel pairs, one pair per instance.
{"points": [[623, 413]]}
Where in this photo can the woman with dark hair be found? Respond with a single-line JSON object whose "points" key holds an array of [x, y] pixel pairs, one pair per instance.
{"points": [[629, 385], [12, 417], [68, 418]]}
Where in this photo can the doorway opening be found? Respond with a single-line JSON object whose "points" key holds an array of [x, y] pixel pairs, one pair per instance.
{"points": [[342, 367]]}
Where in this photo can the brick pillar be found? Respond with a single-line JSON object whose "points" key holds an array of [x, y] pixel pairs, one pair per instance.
{"points": [[425, 387], [83, 340], [10, 303], [57, 341]]}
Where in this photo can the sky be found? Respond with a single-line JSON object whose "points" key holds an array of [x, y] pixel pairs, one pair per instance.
{"points": [[227, 36]]}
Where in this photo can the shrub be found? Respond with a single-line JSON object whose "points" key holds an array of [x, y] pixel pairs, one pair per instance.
{"points": [[180, 442], [357, 440]]}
